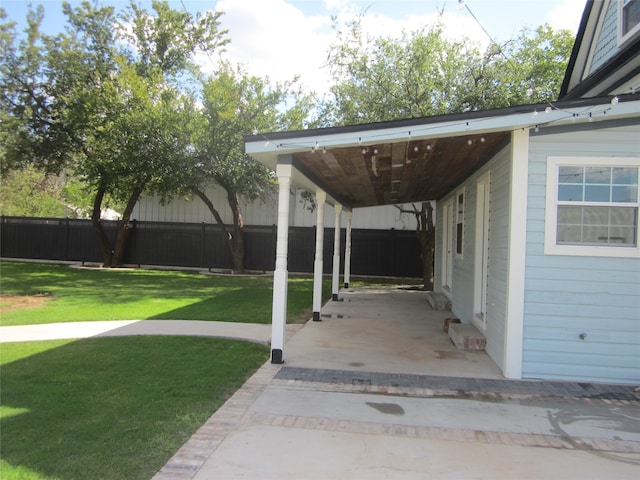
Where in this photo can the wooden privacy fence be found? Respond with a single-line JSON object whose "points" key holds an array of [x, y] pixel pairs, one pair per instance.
{"points": [[373, 252]]}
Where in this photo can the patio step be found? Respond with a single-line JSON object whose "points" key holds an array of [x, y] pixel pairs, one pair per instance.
{"points": [[438, 301], [467, 337]]}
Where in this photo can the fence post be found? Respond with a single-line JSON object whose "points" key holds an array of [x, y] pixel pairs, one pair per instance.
{"points": [[202, 244], [66, 238], [2, 218]]}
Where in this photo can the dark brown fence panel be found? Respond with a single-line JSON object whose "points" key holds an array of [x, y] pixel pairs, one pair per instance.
{"points": [[51, 239], [166, 244], [260, 248], [373, 252], [394, 252]]}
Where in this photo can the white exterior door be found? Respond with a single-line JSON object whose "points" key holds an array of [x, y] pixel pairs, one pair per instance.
{"points": [[481, 274], [448, 247]]}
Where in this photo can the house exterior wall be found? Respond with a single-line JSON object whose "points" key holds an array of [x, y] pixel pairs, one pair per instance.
{"points": [[181, 210], [606, 44], [463, 278], [566, 296]]}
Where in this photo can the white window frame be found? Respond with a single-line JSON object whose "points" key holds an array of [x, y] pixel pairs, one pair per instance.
{"points": [[631, 33], [550, 236]]}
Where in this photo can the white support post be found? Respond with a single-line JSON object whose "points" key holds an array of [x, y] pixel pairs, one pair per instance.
{"points": [[336, 254], [514, 327], [321, 197], [281, 275], [347, 251]]}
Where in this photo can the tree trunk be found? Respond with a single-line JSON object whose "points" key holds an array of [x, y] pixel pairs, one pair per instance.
{"points": [[427, 236], [124, 228], [427, 244], [235, 239], [237, 243], [105, 244]]}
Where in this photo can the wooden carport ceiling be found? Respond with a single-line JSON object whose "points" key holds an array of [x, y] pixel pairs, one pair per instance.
{"points": [[399, 172]]}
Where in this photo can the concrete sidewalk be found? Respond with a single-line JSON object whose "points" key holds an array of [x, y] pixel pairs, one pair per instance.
{"points": [[368, 393], [54, 331], [275, 428]]}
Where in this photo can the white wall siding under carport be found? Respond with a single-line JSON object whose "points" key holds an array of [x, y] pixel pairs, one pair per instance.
{"points": [[183, 210]]}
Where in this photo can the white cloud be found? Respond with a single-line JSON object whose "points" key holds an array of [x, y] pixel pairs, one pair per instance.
{"points": [[276, 39], [566, 15]]}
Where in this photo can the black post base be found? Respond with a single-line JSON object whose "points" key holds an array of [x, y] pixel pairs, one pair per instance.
{"points": [[334, 297], [346, 285], [276, 356], [316, 316]]}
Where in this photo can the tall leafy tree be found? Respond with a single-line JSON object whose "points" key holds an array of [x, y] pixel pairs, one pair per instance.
{"points": [[424, 73], [527, 69], [103, 101], [385, 78], [233, 105]]}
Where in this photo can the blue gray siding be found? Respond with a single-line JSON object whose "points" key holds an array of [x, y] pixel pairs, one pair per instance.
{"points": [[498, 256], [566, 296], [464, 268], [606, 44]]}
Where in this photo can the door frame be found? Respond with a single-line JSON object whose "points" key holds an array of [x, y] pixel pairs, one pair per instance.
{"points": [[481, 267], [448, 246]]}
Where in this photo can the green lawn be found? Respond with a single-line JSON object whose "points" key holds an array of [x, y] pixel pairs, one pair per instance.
{"points": [[134, 294], [119, 408], [111, 408]]}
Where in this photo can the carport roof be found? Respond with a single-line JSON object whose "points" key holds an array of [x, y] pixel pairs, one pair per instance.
{"points": [[415, 159]]}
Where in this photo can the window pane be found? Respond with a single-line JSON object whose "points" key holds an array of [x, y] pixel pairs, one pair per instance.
{"points": [[570, 193], [630, 15], [571, 175], [597, 193], [623, 235], [597, 225], [569, 215], [598, 175], [569, 234], [595, 215], [624, 194], [595, 235], [625, 176], [623, 216]]}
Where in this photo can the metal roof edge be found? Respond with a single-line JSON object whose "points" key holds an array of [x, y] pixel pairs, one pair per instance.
{"points": [[455, 122]]}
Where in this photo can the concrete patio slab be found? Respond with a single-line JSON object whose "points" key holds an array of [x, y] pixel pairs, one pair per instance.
{"points": [[377, 390], [385, 329]]}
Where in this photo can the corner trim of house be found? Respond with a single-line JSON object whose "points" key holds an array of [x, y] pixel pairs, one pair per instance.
{"points": [[514, 327]]}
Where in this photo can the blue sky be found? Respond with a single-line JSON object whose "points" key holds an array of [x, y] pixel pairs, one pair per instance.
{"points": [[282, 38]]}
